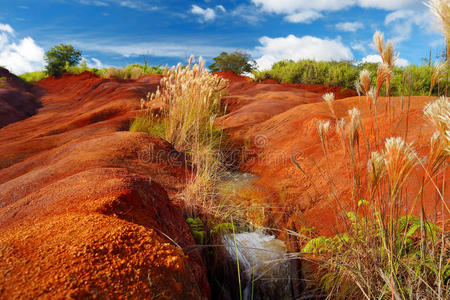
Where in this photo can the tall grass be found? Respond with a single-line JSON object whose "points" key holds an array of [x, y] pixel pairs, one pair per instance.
{"points": [[192, 97], [383, 251]]}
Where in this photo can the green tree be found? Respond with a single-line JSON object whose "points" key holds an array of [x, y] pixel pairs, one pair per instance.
{"points": [[238, 62], [59, 57]]}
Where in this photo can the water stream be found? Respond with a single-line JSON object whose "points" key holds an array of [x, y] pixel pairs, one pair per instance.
{"points": [[265, 269]]}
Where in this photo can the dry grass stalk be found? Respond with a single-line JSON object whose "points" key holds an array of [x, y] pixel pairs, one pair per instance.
{"points": [[323, 129], [438, 113], [383, 72], [400, 160], [438, 71], [376, 168], [329, 99]]}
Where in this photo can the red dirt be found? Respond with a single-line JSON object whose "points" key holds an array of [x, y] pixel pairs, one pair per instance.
{"points": [[17, 100], [87, 211], [274, 121]]}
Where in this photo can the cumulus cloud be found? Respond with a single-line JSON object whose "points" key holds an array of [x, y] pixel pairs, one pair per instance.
{"points": [[349, 26], [207, 14], [19, 56], [292, 47], [6, 28], [306, 16], [375, 58]]}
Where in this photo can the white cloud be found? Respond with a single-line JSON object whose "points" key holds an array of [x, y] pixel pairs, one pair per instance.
{"points": [[247, 13], [287, 6], [133, 4], [220, 7], [20, 56], [349, 26], [93, 63], [306, 16], [375, 58], [401, 23], [390, 4], [206, 14], [6, 28], [359, 47], [273, 50], [292, 8]]}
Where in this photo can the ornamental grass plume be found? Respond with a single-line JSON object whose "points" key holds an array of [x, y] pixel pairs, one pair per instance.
{"points": [[438, 113], [383, 72], [353, 125], [376, 168], [441, 9], [329, 99], [378, 39], [438, 71], [388, 57], [400, 160], [439, 153], [323, 129]]}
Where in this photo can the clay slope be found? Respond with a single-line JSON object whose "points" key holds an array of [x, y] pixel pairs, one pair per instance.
{"points": [[274, 123], [18, 100], [84, 204]]}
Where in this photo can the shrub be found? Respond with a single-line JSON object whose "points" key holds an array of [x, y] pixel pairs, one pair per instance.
{"points": [[34, 76], [238, 62], [60, 57], [344, 74]]}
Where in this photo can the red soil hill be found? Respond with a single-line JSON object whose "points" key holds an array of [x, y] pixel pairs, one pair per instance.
{"points": [[84, 205], [273, 122], [18, 100]]}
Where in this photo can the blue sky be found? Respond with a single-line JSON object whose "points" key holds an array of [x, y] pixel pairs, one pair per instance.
{"points": [[120, 32]]}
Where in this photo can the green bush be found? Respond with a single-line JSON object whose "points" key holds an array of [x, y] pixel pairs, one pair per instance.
{"points": [[238, 62], [60, 57], [34, 76], [345, 74]]}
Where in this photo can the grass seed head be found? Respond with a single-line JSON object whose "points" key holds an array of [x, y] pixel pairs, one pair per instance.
{"points": [[438, 113], [400, 160], [329, 99], [378, 39], [376, 168]]}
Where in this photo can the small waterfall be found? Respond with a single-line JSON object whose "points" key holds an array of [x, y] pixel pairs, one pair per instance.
{"points": [[264, 265]]}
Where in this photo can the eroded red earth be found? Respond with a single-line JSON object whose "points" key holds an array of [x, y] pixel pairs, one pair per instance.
{"points": [[88, 209]]}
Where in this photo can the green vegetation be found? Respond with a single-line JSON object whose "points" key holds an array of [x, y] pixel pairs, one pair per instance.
{"points": [[238, 62], [149, 125], [345, 74], [34, 76], [133, 71], [2, 81], [60, 57]]}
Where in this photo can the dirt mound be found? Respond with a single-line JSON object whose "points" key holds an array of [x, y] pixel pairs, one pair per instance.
{"points": [[86, 211], [233, 77], [18, 100]]}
